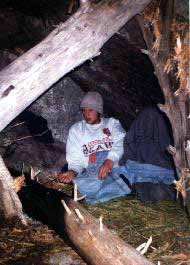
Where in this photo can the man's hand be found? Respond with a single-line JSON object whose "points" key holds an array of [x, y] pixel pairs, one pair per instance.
{"points": [[105, 169], [66, 177]]}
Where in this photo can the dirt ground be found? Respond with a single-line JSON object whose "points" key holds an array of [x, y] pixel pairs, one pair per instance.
{"points": [[133, 221]]}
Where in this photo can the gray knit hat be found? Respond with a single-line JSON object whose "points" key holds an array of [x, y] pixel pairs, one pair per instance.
{"points": [[92, 100]]}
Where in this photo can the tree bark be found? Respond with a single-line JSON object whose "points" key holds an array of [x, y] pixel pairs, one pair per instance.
{"points": [[98, 245], [10, 205], [69, 45], [176, 104]]}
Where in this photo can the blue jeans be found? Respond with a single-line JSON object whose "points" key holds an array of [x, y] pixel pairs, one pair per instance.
{"points": [[138, 172], [113, 186], [97, 190]]}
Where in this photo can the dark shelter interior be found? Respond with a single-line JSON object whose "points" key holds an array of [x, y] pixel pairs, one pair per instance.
{"points": [[36, 139]]}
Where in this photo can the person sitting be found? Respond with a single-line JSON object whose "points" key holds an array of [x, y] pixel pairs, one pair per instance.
{"points": [[150, 167], [94, 147]]}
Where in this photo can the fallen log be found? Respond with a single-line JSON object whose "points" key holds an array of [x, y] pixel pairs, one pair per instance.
{"points": [[95, 242]]}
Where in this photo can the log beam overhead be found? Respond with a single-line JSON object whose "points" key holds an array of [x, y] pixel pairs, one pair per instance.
{"points": [[72, 43]]}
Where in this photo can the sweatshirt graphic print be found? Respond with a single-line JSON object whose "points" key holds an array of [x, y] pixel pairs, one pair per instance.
{"points": [[85, 140]]}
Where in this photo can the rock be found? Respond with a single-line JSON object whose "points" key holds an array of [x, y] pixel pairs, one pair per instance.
{"points": [[48, 158], [60, 107], [28, 141]]}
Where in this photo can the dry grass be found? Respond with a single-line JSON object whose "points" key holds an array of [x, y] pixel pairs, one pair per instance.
{"points": [[133, 221]]}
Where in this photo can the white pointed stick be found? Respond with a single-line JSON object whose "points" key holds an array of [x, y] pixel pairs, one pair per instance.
{"points": [[68, 211], [145, 51], [144, 250], [81, 198], [140, 247], [76, 199], [78, 213], [101, 224], [75, 192], [33, 174]]}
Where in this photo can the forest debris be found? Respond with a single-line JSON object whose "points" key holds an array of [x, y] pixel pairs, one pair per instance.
{"points": [[18, 124], [18, 183], [168, 66], [180, 187], [166, 218], [33, 174], [76, 199], [29, 136], [177, 61], [101, 224], [66, 207], [180, 256], [71, 6], [80, 216], [75, 192], [183, 183], [144, 247], [145, 51]]}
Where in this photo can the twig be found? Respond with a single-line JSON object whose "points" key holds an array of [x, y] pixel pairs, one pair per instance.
{"points": [[33, 174], [18, 124], [75, 192], [76, 199], [144, 247], [71, 6], [29, 136], [68, 211], [101, 224], [78, 213]]}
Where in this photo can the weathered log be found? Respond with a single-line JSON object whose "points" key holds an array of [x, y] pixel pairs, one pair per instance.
{"points": [[95, 242], [69, 45], [174, 106], [10, 205]]}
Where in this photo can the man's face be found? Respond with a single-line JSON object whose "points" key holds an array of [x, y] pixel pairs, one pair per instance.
{"points": [[91, 116]]}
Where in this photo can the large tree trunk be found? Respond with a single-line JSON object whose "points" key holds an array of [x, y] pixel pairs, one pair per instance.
{"points": [[163, 56], [69, 45], [96, 243]]}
